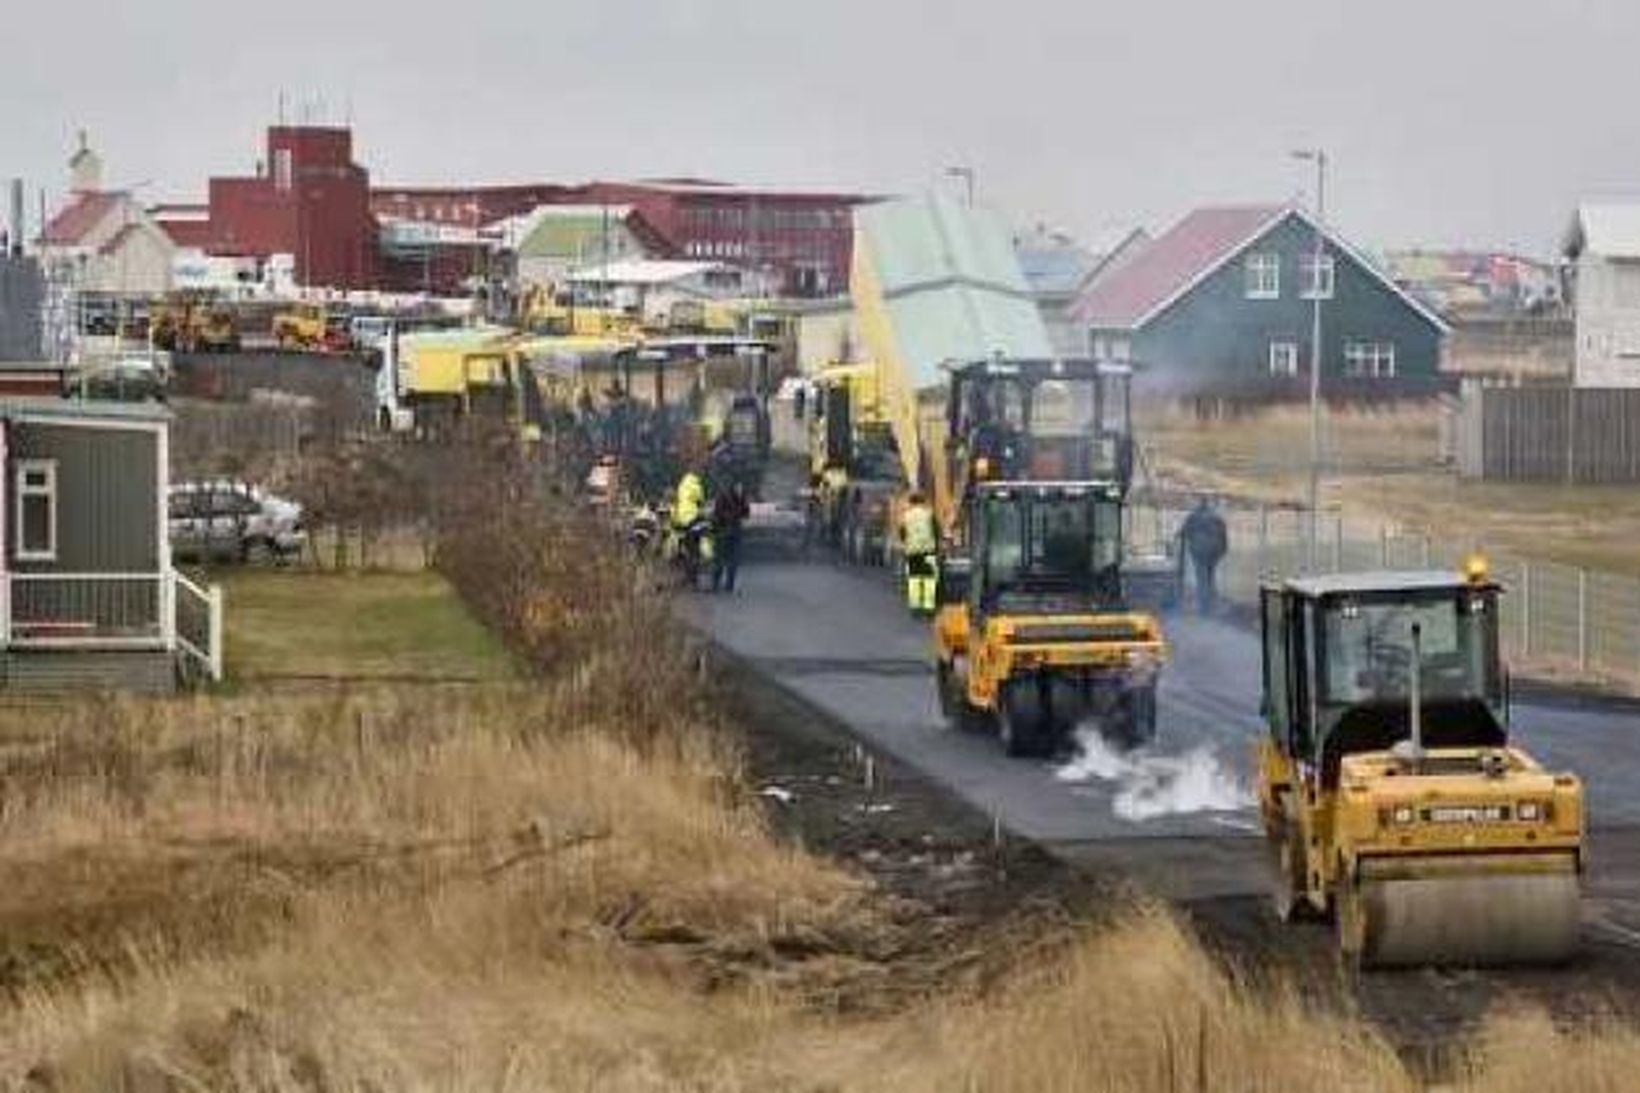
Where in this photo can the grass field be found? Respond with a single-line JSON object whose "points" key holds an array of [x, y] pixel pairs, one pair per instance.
{"points": [[284, 623], [1387, 463]]}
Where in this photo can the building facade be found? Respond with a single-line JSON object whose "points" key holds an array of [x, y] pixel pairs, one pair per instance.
{"points": [[1222, 306], [1602, 247], [308, 200]]}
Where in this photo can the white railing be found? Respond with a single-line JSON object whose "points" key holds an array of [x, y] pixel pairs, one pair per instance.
{"points": [[160, 611], [198, 615], [65, 610]]}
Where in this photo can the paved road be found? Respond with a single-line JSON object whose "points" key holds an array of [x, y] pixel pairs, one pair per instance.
{"points": [[839, 638]]}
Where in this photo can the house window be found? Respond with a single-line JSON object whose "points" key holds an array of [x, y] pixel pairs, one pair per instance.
{"points": [[1263, 276], [1284, 358], [282, 173], [1315, 276], [36, 516], [1369, 360]]}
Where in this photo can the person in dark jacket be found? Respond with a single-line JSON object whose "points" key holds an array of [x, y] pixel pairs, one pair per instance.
{"points": [[729, 512], [1206, 541]]}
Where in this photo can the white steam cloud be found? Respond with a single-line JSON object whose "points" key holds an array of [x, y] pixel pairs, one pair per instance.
{"points": [[1149, 785]]}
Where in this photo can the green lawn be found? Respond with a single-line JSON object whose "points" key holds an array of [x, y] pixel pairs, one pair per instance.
{"points": [[389, 625]]}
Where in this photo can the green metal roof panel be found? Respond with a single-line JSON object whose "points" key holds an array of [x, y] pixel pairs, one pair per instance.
{"points": [[567, 236], [951, 283]]}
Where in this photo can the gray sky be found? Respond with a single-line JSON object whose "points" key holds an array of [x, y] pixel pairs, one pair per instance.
{"points": [[1473, 122]]}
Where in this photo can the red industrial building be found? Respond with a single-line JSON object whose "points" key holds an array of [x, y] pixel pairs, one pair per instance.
{"points": [[804, 238], [311, 201]]}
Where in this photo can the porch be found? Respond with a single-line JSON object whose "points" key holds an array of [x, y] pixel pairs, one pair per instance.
{"points": [[148, 631]]}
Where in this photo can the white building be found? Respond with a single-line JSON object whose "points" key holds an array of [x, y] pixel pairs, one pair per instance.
{"points": [[649, 287], [104, 240], [1603, 247]]}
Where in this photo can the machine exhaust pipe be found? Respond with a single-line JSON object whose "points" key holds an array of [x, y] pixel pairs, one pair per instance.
{"points": [[1411, 750]]}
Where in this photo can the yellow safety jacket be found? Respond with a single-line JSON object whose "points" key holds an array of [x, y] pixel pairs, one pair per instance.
{"points": [[918, 534], [691, 496]]}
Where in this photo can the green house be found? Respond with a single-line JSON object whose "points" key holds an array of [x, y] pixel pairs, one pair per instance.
{"points": [[1222, 305]]}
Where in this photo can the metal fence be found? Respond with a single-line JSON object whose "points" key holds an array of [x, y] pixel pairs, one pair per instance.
{"points": [[1555, 620]]}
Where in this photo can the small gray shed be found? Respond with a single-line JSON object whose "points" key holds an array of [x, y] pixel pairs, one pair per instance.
{"points": [[88, 596]]}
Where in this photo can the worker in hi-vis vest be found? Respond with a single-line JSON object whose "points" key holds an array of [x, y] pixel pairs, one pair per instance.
{"points": [[920, 543]]}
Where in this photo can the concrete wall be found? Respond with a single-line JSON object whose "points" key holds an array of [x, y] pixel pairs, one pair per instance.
{"points": [[21, 290], [1608, 322]]}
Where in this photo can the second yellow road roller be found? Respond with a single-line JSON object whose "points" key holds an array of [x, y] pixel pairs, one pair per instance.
{"points": [[1391, 796]]}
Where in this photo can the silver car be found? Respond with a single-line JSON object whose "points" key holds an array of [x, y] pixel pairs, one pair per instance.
{"points": [[234, 522]]}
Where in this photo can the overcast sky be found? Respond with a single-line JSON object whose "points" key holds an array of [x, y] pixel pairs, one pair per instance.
{"points": [[1475, 122]]}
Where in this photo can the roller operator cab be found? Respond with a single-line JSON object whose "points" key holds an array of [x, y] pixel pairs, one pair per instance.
{"points": [[1031, 631], [1390, 794]]}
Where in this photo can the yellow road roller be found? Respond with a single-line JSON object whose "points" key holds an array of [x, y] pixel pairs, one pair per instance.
{"points": [[1390, 795]]}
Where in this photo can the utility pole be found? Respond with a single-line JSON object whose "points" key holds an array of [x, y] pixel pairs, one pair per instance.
{"points": [[1319, 158]]}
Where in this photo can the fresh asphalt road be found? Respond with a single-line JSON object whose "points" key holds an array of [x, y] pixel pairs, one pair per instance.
{"points": [[840, 639]]}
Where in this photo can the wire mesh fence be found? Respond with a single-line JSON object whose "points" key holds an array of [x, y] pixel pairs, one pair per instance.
{"points": [[1555, 620]]}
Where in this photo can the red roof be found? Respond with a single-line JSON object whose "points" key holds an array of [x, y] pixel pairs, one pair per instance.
{"points": [[84, 212], [188, 233], [1185, 252]]}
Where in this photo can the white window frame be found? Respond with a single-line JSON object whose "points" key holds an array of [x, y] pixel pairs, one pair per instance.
{"points": [[1372, 360], [24, 491], [1263, 272], [1307, 266], [1288, 348]]}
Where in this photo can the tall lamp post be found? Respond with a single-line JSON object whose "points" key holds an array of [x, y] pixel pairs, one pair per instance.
{"points": [[1319, 158], [967, 176]]}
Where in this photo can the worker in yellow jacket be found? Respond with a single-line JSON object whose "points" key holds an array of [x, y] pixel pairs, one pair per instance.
{"points": [[920, 543], [691, 497]]}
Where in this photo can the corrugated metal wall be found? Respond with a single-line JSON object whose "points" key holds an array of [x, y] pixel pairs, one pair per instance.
{"points": [[21, 292], [107, 502]]}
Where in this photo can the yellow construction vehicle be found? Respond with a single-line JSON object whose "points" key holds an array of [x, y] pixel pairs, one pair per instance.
{"points": [[547, 310], [313, 328], [1391, 797], [192, 323], [853, 460], [1033, 632]]}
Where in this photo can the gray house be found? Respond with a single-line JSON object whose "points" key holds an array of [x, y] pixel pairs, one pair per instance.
{"points": [[88, 596], [1221, 306]]}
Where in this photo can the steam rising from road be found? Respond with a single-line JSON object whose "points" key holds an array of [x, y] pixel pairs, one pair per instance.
{"points": [[1149, 785]]}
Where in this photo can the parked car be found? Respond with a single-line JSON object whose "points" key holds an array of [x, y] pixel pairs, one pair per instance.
{"points": [[233, 521]]}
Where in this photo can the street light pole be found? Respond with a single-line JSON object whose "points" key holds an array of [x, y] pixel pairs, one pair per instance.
{"points": [[1319, 158]]}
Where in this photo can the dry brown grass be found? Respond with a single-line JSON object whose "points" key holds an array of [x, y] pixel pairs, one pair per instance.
{"points": [[1384, 463]]}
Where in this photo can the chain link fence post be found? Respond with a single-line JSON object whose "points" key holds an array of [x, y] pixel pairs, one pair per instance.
{"points": [[1582, 620], [1263, 542], [1338, 543], [1525, 610]]}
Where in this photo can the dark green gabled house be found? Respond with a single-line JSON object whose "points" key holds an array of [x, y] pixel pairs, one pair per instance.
{"points": [[1221, 306]]}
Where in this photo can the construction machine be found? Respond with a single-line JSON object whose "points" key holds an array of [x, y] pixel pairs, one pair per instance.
{"points": [[854, 464], [313, 328], [1391, 796], [192, 323], [1033, 632]]}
